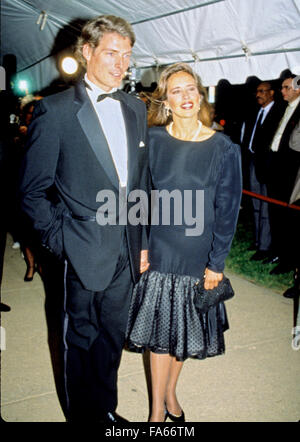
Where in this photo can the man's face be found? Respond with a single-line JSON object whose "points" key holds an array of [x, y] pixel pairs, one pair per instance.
{"points": [[264, 95], [108, 62], [289, 94]]}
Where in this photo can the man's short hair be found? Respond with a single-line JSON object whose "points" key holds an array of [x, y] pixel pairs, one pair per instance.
{"points": [[268, 83], [94, 29], [288, 76]]}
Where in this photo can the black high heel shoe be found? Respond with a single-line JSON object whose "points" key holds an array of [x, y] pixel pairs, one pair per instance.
{"points": [[173, 417], [29, 278]]}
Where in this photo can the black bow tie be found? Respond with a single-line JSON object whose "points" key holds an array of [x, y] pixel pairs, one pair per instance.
{"points": [[114, 95]]}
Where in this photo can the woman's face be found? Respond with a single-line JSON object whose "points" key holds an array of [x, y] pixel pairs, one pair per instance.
{"points": [[183, 97]]}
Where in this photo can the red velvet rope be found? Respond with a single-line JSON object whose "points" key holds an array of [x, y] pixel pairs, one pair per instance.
{"points": [[271, 200]]}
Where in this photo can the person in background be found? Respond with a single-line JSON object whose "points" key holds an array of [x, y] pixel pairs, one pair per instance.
{"points": [[9, 127], [282, 168], [215, 125], [4, 163], [29, 243], [84, 140], [184, 154], [293, 223], [259, 130]]}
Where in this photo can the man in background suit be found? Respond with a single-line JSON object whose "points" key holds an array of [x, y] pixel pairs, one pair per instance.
{"points": [[283, 164], [258, 134], [83, 142], [293, 222]]}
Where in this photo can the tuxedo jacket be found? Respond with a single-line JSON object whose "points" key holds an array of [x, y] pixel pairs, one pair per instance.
{"points": [[67, 163], [263, 139], [283, 165]]}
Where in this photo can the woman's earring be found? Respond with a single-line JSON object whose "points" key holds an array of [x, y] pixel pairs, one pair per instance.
{"points": [[168, 111]]}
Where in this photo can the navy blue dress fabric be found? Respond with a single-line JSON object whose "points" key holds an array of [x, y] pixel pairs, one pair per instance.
{"points": [[162, 315]]}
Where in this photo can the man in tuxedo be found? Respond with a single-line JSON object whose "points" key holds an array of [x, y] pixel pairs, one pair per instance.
{"points": [[258, 133], [86, 140], [283, 164]]}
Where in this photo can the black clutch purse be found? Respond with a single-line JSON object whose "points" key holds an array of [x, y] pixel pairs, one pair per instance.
{"points": [[205, 299]]}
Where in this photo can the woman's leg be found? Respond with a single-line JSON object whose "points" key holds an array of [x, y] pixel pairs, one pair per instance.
{"points": [[171, 399], [160, 372], [29, 259]]}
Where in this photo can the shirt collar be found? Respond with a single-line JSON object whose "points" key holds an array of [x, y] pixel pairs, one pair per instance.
{"points": [[96, 90], [294, 103], [267, 108]]}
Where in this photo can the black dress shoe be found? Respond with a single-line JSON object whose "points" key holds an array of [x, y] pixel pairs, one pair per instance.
{"points": [[174, 418], [292, 292], [4, 307], [113, 417], [259, 255], [29, 278]]}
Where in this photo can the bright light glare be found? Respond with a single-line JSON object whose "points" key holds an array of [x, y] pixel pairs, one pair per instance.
{"points": [[69, 65], [23, 86]]}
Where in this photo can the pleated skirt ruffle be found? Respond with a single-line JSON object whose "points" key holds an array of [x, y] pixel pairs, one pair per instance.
{"points": [[163, 319]]}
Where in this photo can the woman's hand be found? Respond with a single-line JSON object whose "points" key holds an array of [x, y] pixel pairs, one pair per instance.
{"points": [[212, 279], [144, 264]]}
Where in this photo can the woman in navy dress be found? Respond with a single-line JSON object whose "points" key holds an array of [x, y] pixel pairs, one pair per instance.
{"points": [[190, 235]]}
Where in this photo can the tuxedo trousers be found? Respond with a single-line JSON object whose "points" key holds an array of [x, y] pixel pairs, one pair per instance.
{"points": [[260, 211], [94, 336]]}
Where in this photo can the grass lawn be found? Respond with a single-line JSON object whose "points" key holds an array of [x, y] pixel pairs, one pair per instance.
{"points": [[238, 260]]}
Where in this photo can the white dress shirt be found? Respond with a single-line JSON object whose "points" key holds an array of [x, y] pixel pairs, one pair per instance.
{"points": [[112, 122], [282, 125]]}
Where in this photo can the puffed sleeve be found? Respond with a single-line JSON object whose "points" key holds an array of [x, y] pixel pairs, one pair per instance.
{"points": [[227, 205]]}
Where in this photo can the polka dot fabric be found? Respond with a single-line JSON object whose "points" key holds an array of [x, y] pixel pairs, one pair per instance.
{"points": [[163, 319]]}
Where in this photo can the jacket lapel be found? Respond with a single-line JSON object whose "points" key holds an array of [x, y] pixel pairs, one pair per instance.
{"points": [[132, 139], [91, 126]]}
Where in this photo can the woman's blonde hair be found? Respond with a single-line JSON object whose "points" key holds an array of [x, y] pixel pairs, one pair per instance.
{"points": [[157, 115]]}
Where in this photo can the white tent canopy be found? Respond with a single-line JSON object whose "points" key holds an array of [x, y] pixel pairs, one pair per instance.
{"points": [[223, 39]]}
